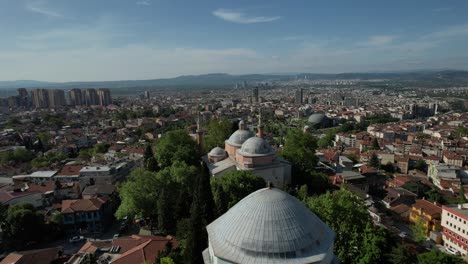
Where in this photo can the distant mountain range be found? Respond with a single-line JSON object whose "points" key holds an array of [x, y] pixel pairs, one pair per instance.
{"points": [[223, 79]]}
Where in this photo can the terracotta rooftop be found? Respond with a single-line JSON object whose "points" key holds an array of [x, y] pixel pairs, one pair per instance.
{"points": [[144, 248], [39, 256], [70, 170], [427, 207], [92, 204]]}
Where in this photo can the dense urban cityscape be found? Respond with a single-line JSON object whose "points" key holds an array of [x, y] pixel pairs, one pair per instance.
{"points": [[246, 132], [110, 177]]}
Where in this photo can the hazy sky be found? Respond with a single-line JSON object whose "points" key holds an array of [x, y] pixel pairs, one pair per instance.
{"points": [[84, 40]]}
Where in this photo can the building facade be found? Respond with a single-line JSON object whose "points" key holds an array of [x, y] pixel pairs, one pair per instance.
{"points": [[455, 228]]}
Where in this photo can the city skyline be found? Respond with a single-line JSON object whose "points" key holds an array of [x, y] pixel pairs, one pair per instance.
{"points": [[125, 40]]}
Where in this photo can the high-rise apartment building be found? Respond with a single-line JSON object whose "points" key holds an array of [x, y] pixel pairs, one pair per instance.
{"points": [[298, 96], [76, 97], [56, 98], [255, 94], [40, 98], [90, 97], [104, 97]]}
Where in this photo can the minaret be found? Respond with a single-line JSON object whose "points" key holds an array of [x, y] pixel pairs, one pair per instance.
{"points": [[260, 125], [199, 134]]}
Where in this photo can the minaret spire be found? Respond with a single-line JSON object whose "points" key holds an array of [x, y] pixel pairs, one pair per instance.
{"points": [[199, 134], [260, 124]]}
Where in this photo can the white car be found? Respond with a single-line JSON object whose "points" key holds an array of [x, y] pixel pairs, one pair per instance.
{"points": [[403, 235], [76, 239], [452, 251]]}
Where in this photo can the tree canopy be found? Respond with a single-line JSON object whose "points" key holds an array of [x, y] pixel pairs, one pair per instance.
{"points": [[299, 149], [437, 257], [357, 240], [176, 146], [23, 224], [218, 132], [231, 187]]}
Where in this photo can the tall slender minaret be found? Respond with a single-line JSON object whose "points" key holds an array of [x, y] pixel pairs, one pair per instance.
{"points": [[260, 124], [199, 134]]}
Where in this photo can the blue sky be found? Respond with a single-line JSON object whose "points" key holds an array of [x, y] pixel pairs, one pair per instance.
{"points": [[85, 40]]}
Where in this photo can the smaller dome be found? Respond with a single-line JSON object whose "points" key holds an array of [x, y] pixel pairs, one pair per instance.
{"points": [[239, 137], [317, 118], [217, 152], [256, 146]]}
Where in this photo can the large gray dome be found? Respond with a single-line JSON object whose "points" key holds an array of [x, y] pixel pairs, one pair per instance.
{"points": [[317, 118], [239, 137], [256, 146], [217, 152], [271, 226]]}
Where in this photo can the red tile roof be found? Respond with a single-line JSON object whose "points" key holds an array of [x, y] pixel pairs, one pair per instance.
{"points": [[146, 249], [39, 256], [92, 204], [70, 170], [427, 207]]}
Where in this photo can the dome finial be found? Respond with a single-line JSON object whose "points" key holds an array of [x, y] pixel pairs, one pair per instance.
{"points": [[269, 185]]}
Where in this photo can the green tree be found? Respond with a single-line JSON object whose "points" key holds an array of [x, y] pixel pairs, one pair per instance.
{"points": [[167, 260], [303, 193], [374, 161], [166, 221], [44, 138], [101, 148], [232, 187], [421, 165], [176, 146], [218, 132], [23, 224], [139, 195], [151, 164], [197, 237], [375, 144], [417, 187], [148, 152], [436, 257], [357, 241], [462, 195], [327, 140], [400, 255], [419, 231], [299, 149]]}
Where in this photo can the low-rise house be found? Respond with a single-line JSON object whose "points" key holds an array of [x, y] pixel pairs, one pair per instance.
{"points": [[126, 250], [69, 173], [38, 256], [427, 213], [86, 215], [99, 190], [396, 196], [452, 158]]}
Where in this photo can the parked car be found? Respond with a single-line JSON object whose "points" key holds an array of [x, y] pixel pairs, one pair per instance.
{"points": [[452, 251], [76, 239], [403, 235]]}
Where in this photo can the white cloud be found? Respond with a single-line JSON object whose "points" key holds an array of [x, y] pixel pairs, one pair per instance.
{"points": [[39, 7], [143, 3], [241, 18], [380, 40]]}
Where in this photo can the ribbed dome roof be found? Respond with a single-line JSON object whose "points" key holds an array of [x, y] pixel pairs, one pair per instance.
{"points": [[239, 137], [256, 146], [217, 152], [270, 226], [317, 118]]}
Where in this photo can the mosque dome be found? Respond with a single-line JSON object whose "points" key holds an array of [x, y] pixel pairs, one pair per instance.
{"points": [[270, 226], [239, 137], [256, 146], [217, 152], [317, 118]]}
